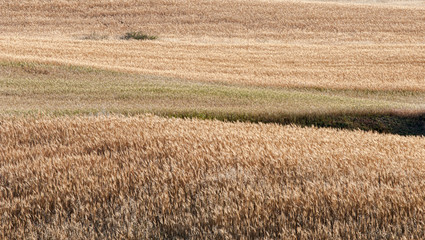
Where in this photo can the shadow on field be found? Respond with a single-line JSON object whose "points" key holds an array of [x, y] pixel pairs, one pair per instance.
{"points": [[406, 124]]}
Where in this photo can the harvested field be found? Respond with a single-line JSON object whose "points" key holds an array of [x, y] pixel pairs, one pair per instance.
{"points": [[87, 177]]}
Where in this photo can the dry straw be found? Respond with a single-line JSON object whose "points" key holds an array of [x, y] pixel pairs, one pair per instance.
{"points": [[138, 177], [272, 43]]}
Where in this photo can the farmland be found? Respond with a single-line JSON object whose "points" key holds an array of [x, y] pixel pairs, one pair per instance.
{"points": [[274, 44], [151, 177], [235, 119]]}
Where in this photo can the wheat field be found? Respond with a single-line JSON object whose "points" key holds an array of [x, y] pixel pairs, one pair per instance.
{"points": [[286, 21], [151, 177], [283, 44], [55, 88], [102, 137], [380, 67]]}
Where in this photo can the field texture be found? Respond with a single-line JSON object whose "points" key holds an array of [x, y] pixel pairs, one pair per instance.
{"points": [[376, 67], [89, 148], [289, 21], [32, 88], [245, 42], [138, 177]]}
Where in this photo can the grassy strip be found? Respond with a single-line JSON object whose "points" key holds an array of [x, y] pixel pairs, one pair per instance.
{"points": [[392, 122], [28, 88], [384, 122]]}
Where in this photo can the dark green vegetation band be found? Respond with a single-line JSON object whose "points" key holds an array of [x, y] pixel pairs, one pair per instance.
{"points": [[394, 123]]}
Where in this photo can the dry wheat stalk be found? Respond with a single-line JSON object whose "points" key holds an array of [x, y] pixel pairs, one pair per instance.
{"points": [[146, 176]]}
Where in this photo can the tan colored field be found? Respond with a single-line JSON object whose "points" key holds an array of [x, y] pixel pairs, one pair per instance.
{"points": [[289, 44], [72, 169], [31, 88], [61, 88], [150, 177], [377, 67], [287, 21]]}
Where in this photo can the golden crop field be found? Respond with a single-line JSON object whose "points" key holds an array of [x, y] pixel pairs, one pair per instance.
{"points": [[290, 44], [287, 21], [151, 177], [236, 119], [379, 67]]}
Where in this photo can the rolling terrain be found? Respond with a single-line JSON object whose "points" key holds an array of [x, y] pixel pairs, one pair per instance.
{"points": [[238, 119]]}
